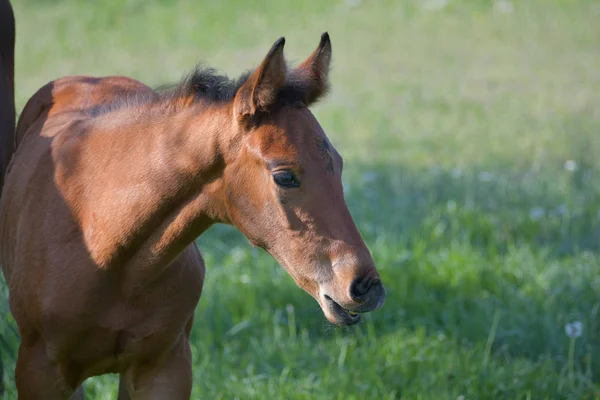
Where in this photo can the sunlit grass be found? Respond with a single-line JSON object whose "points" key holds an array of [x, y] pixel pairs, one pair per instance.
{"points": [[470, 137]]}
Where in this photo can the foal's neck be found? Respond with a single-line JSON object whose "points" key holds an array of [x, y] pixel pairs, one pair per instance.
{"points": [[189, 151], [163, 187]]}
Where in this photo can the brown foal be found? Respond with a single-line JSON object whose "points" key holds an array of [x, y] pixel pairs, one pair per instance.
{"points": [[111, 183]]}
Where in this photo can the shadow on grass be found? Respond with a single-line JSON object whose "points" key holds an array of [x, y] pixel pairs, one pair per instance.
{"points": [[481, 257], [457, 250]]}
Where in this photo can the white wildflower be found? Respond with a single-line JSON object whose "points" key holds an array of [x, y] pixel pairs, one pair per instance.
{"points": [[574, 329], [570, 165]]}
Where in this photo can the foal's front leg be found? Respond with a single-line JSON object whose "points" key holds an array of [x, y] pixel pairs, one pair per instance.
{"points": [[168, 378], [38, 377]]}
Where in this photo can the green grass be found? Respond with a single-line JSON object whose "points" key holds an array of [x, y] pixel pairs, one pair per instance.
{"points": [[458, 127]]}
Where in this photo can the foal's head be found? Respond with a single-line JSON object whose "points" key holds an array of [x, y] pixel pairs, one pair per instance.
{"points": [[283, 187]]}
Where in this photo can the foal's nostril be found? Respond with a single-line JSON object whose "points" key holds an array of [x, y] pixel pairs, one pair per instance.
{"points": [[361, 286]]}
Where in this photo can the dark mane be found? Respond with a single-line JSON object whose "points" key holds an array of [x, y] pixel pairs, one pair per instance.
{"points": [[204, 85]]}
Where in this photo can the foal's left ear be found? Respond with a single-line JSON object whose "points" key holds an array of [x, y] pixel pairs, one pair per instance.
{"points": [[313, 74]]}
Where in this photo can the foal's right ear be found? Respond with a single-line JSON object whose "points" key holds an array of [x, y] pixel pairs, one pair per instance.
{"points": [[262, 87], [313, 74]]}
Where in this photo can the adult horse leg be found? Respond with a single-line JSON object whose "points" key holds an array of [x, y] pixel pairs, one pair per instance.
{"points": [[167, 378], [38, 377]]}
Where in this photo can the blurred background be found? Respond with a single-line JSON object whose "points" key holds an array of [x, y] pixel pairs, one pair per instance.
{"points": [[470, 132]]}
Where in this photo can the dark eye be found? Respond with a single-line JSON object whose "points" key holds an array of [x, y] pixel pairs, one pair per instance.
{"points": [[286, 179]]}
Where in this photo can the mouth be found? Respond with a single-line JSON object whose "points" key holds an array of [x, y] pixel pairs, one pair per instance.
{"points": [[340, 315]]}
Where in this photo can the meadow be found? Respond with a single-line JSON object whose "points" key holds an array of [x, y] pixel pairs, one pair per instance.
{"points": [[470, 131]]}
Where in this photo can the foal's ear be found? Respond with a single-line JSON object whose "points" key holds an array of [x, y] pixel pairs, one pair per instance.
{"points": [[262, 87], [313, 74]]}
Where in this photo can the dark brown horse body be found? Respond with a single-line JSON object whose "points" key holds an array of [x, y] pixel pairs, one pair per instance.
{"points": [[7, 101], [7, 85], [111, 183]]}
